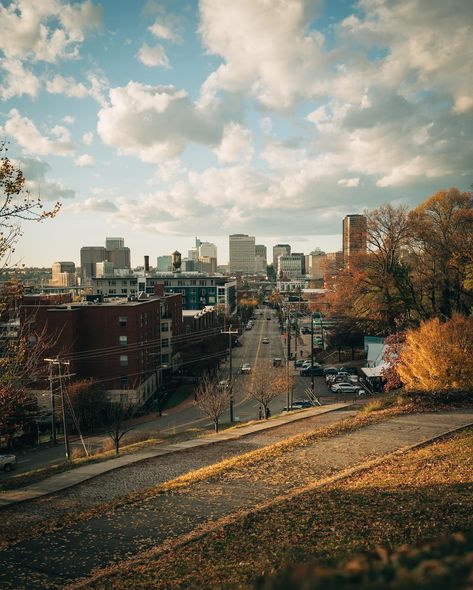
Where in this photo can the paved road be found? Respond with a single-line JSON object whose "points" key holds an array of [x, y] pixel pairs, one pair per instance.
{"points": [[187, 416], [51, 560]]}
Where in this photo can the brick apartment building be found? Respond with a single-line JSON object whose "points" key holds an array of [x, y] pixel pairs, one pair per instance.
{"points": [[120, 344]]}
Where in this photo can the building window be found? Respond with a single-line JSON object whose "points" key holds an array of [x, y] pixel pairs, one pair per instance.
{"points": [[123, 340], [124, 380], [165, 342], [164, 358], [111, 291], [122, 321], [164, 327], [124, 291], [123, 360]]}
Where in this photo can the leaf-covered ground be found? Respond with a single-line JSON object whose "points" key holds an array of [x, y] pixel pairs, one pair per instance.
{"points": [[408, 499]]}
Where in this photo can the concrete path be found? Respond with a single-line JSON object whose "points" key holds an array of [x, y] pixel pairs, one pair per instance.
{"points": [[80, 474], [57, 558]]}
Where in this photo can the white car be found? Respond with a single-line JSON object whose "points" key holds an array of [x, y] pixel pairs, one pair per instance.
{"points": [[265, 341], [7, 462], [245, 369], [345, 388]]}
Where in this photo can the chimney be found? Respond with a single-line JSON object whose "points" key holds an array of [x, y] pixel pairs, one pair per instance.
{"points": [[146, 263]]}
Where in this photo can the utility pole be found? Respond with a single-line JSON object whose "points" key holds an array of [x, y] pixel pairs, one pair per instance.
{"points": [[288, 358], [230, 348], [58, 362], [53, 405], [312, 383]]}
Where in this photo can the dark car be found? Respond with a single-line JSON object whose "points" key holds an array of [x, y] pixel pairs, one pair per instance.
{"points": [[309, 371], [299, 363], [330, 371]]}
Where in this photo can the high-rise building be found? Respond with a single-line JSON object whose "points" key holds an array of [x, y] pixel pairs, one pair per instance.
{"points": [[354, 236], [164, 263], [289, 267], [242, 253], [114, 243], [316, 264], [300, 255], [261, 261], [89, 256], [119, 257], [280, 250], [63, 274], [208, 249]]}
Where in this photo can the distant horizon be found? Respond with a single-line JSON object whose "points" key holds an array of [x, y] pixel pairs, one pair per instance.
{"points": [[157, 120]]}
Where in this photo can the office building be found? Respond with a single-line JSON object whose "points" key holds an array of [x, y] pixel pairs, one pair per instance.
{"points": [[114, 243], [208, 249], [289, 267], [316, 264], [242, 254], [354, 236], [261, 261], [280, 250], [301, 256], [89, 256], [63, 274], [164, 263]]}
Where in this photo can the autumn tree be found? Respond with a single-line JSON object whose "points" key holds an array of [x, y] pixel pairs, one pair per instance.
{"points": [[438, 356], [263, 388], [442, 228], [212, 397], [19, 355]]}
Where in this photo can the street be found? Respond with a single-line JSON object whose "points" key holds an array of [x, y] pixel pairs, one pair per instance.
{"points": [[187, 416]]}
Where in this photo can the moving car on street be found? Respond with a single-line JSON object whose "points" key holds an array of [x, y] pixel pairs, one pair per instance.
{"points": [[309, 371], [245, 369], [265, 341]]}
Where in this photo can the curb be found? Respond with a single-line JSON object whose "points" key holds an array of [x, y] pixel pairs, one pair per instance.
{"points": [[197, 534], [88, 472]]}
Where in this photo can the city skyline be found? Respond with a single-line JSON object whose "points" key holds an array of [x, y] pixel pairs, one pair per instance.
{"points": [[151, 122]]}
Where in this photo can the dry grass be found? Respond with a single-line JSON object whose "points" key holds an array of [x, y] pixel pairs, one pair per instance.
{"points": [[411, 497]]}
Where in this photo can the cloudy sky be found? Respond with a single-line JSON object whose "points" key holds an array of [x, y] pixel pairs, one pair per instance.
{"points": [[162, 120]]}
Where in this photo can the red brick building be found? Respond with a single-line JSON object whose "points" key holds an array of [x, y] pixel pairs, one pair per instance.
{"points": [[119, 344]]}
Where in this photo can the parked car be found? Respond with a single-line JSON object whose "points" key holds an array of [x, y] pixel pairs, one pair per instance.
{"points": [[351, 370], [302, 403], [300, 363], [309, 371], [245, 369], [345, 388], [330, 371], [305, 330], [277, 362], [7, 462], [265, 341]]}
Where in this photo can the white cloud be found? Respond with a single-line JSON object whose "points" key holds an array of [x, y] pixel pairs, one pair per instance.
{"points": [[25, 132], [84, 161], [45, 30], [18, 80], [163, 31], [68, 120], [349, 182], [96, 86], [155, 122], [267, 50], [236, 145], [153, 56], [67, 86], [88, 138]]}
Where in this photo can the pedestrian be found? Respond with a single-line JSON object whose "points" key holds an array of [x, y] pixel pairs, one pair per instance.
{"points": [[260, 413], [268, 413]]}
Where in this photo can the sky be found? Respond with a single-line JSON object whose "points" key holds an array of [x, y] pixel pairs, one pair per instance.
{"points": [[159, 121]]}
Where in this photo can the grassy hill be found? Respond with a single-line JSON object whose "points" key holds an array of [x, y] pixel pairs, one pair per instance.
{"points": [[409, 499]]}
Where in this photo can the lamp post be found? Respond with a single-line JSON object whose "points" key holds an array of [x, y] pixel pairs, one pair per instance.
{"points": [[312, 382]]}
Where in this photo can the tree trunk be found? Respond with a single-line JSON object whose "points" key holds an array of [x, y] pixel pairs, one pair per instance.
{"points": [[117, 446], [216, 426]]}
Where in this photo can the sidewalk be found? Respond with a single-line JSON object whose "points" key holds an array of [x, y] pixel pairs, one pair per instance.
{"points": [[78, 475], [44, 559]]}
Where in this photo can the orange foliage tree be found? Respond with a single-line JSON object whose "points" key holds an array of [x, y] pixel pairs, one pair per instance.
{"points": [[438, 356]]}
